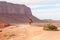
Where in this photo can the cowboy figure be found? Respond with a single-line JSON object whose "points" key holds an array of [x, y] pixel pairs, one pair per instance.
{"points": [[30, 20]]}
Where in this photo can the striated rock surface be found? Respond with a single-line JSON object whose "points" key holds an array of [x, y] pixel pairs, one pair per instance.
{"points": [[15, 13]]}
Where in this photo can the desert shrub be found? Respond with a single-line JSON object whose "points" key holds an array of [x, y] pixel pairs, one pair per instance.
{"points": [[9, 35], [49, 27]]}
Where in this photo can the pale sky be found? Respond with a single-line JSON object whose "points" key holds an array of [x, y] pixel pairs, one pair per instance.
{"points": [[42, 9]]}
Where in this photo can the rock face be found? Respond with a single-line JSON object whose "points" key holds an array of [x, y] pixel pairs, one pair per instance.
{"points": [[3, 25], [15, 13]]}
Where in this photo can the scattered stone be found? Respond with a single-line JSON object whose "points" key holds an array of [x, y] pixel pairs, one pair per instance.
{"points": [[0, 30], [3, 25]]}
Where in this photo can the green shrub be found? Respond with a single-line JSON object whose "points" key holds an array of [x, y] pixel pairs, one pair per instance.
{"points": [[49, 27]]}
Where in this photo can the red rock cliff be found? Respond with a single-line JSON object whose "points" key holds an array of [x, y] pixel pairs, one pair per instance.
{"points": [[15, 13]]}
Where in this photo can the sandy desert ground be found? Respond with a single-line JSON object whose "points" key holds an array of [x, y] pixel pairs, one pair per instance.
{"points": [[28, 32]]}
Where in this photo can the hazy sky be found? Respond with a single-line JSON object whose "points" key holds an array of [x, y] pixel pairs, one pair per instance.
{"points": [[42, 9]]}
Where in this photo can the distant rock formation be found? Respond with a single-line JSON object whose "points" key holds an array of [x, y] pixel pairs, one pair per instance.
{"points": [[15, 13]]}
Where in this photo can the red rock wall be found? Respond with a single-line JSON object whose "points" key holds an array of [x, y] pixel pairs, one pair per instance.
{"points": [[15, 12], [14, 8]]}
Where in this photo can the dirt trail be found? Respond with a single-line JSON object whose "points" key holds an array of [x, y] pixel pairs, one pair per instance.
{"points": [[28, 32]]}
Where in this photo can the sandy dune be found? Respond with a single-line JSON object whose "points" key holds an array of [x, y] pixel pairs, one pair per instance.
{"points": [[28, 32]]}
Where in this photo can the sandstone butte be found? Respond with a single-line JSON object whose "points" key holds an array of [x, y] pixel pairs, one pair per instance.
{"points": [[15, 13]]}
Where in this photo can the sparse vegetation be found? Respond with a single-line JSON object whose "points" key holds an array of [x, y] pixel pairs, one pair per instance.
{"points": [[50, 27], [9, 35]]}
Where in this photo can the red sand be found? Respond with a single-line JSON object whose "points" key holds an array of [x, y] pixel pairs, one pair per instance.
{"points": [[28, 32]]}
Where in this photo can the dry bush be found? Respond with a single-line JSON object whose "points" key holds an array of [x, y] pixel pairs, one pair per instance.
{"points": [[50, 27], [8, 35]]}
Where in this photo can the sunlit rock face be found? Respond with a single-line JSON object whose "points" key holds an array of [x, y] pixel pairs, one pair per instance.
{"points": [[15, 13]]}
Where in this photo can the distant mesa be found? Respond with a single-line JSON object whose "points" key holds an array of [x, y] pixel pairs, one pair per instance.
{"points": [[15, 13]]}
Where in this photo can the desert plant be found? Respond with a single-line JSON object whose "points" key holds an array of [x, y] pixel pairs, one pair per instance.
{"points": [[49, 27], [8, 35]]}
